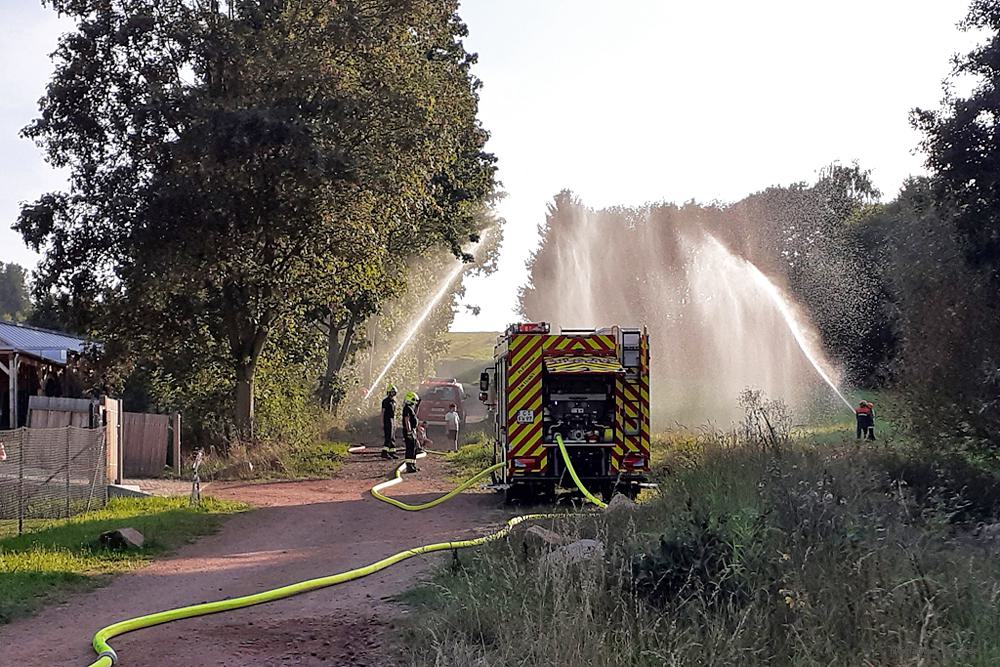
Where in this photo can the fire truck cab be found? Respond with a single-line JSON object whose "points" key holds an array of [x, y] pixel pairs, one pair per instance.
{"points": [[589, 386]]}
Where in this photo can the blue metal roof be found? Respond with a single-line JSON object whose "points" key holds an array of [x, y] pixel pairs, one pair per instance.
{"points": [[49, 345]]}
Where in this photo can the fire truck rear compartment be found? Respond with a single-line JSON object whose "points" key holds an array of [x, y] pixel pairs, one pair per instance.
{"points": [[580, 408]]}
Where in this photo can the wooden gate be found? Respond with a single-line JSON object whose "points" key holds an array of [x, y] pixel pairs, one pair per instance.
{"points": [[150, 441]]}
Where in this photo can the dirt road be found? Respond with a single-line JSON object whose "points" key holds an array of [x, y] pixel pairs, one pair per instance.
{"points": [[302, 530]]}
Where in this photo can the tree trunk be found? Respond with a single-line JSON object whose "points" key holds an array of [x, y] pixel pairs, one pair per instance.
{"points": [[345, 346], [245, 374], [332, 352], [337, 351]]}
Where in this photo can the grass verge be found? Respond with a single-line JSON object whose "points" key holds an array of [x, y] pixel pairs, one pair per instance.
{"points": [[475, 452], [755, 551], [59, 557], [267, 460]]}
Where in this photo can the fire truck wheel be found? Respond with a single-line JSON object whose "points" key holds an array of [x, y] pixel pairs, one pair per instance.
{"points": [[513, 494], [629, 490], [523, 494], [607, 492]]}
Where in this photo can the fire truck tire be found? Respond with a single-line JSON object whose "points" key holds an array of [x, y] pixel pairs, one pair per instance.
{"points": [[515, 494], [607, 491]]}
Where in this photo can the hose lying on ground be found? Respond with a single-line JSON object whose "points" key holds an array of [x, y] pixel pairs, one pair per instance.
{"points": [[398, 477], [107, 656]]}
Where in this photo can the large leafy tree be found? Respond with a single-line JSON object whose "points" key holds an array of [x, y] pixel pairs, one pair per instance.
{"points": [[962, 141], [953, 311], [237, 168]]}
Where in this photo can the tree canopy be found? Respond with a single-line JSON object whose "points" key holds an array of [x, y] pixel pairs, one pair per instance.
{"points": [[15, 301], [237, 170]]}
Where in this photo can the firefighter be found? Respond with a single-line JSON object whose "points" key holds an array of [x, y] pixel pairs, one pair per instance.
{"points": [[865, 421], [410, 430], [388, 415], [871, 420]]}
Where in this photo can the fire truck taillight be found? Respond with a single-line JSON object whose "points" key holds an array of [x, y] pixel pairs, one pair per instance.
{"points": [[524, 463], [634, 461]]}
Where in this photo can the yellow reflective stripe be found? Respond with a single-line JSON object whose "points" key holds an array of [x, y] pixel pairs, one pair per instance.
{"points": [[523, 351]]}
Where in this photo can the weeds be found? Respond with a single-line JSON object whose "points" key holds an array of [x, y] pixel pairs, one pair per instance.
{"points": [[266, 459], [475, 453], [759, 549]]}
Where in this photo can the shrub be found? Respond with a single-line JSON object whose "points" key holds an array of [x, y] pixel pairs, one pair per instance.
{"points": [[749, 554]]}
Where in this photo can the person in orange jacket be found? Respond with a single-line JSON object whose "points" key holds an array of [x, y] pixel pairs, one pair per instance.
{"points": [[865, 416]]}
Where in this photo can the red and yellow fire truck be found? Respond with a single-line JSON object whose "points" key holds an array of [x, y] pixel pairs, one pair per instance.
{"points": [[589, 386]]}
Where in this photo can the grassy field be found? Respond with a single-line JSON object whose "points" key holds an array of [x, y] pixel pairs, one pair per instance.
{"points": [[59, 557], [468, 353], [799, 547], [476, 345]]}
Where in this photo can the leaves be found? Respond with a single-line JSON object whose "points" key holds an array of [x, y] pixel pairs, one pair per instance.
{"points": [[236, 174]]}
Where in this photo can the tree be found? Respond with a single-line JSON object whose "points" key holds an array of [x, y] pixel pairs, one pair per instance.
{"points": [[962, 142], [238, 168], [14, 300]]}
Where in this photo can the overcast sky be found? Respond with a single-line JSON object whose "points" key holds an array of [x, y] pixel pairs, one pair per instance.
{"points": [[626, 102]]}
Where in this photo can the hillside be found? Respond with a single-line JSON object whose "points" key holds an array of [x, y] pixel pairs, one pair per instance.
{"points": [[469, 352]]}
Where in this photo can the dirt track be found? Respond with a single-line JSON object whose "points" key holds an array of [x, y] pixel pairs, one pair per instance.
{"points": [[302, 530]]}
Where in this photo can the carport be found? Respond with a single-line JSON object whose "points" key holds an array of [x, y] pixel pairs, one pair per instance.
{"points": [[33, 362]]}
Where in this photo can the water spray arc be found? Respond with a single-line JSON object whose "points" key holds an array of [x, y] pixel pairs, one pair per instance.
{"points": [[418, 322], [801, 334], [796, 330]]}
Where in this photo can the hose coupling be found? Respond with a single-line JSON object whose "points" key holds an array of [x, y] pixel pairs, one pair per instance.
{"points": [[109, 653]]}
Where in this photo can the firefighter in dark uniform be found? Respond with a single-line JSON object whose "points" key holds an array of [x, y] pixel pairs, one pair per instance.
{"points": [[410, 429], [388, 415]]}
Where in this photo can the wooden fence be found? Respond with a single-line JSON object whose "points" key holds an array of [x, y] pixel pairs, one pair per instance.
{"points": [[55, 412], [45, 412], [139, 444], [149, 443]]}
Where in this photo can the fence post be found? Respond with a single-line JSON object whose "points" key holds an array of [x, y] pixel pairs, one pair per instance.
{"points": [[120, 435], [177, 442], [66, 435], [20, 485]]}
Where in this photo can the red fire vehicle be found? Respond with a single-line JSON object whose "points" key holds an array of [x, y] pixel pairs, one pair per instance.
{"points": [[436, 395]]}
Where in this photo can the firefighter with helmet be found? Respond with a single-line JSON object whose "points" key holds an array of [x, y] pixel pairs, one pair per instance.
{"points": [[410, 429], [388, 415]]}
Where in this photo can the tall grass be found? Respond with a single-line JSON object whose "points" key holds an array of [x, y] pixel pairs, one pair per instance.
{"points": [[757, 550]]}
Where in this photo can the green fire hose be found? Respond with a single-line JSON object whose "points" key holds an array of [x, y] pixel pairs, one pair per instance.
{"points": [[576, 478], [106, 656]]}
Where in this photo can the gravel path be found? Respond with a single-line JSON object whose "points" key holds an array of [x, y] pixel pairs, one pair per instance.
{"points": [[302, 530]]}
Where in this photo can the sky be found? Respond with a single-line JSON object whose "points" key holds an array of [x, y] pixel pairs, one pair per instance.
{"points": [[625, 102]]}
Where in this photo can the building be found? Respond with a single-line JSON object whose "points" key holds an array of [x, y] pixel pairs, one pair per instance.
{"points": [[34, 362]]}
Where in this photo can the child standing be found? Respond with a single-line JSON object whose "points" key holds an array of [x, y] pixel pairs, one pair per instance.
{"points": [[451, 422]]}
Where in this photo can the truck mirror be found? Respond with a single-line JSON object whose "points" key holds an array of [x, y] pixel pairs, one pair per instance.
{"points": [[484, 381]]}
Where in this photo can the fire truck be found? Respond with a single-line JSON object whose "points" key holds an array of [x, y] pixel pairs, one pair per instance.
{"points": [[589, 386]]}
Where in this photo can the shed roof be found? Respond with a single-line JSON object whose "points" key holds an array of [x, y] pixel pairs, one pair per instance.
{"points": [[52, 346]]}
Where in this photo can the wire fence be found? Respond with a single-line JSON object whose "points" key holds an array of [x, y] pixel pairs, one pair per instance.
{"points": [[50, 473]]}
